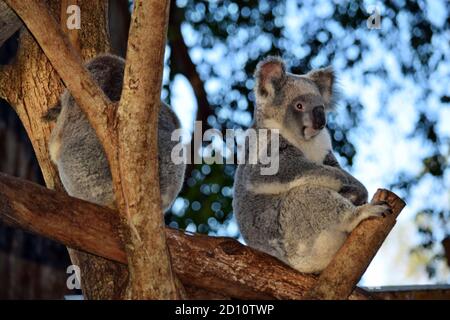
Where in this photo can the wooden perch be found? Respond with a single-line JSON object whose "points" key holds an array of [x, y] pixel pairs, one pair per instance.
{"points": [[220, 265], [339, 279], [9, 22]]}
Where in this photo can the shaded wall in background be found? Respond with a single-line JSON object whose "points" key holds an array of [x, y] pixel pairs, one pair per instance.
{"points": [[31, 267]]}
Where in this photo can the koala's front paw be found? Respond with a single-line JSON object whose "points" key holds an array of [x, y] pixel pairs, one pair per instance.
{"points": [[378, 209]]}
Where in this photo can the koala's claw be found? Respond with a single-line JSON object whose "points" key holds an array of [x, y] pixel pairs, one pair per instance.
{"points": [[367, 211], [388, 211], [376, 210]]}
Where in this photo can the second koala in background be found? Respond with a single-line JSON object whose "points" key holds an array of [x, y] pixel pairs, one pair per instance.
{"points": [[302, 214], [79, 156]]}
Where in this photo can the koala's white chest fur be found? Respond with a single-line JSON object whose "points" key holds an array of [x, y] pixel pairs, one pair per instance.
{"points": [[318, 147], [315, 149]]}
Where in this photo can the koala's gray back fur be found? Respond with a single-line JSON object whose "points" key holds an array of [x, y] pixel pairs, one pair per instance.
{"points": [[262, 229], [79, 156]]}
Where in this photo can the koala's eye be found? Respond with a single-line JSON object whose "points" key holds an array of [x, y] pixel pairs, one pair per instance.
{"points": [[299, 106]]}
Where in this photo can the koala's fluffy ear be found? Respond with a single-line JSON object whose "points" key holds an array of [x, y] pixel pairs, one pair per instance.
{"points": [[270, 76], [325, 80], [52, 113]]}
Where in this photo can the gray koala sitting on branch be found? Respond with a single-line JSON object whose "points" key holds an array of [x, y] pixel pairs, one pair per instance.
{"points": [[303, 213], [79, 156]]}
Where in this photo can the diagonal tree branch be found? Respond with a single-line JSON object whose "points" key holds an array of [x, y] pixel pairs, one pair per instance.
{"points": [[67, 62], [182, 63], [96, 271], [339, 279], [39, 211], [220, 265]]}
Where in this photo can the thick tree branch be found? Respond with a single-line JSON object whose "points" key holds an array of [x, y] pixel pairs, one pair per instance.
{"points": [[136, 179], [44, 217], [219, 265], [139, 107], [339, 279]]}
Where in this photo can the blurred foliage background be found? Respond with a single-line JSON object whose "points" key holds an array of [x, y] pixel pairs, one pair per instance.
{"points": [[391, 128]]}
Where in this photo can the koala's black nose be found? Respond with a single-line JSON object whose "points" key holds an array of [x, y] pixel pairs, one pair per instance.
{"points": [[318, 117]]}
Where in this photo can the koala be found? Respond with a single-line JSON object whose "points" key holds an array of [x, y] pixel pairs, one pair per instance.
{"points": [[303, 213], [79, 156]]}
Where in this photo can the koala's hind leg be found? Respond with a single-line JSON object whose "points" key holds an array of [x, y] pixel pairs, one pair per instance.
{"points": [[315, 223], [310, 219]]}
